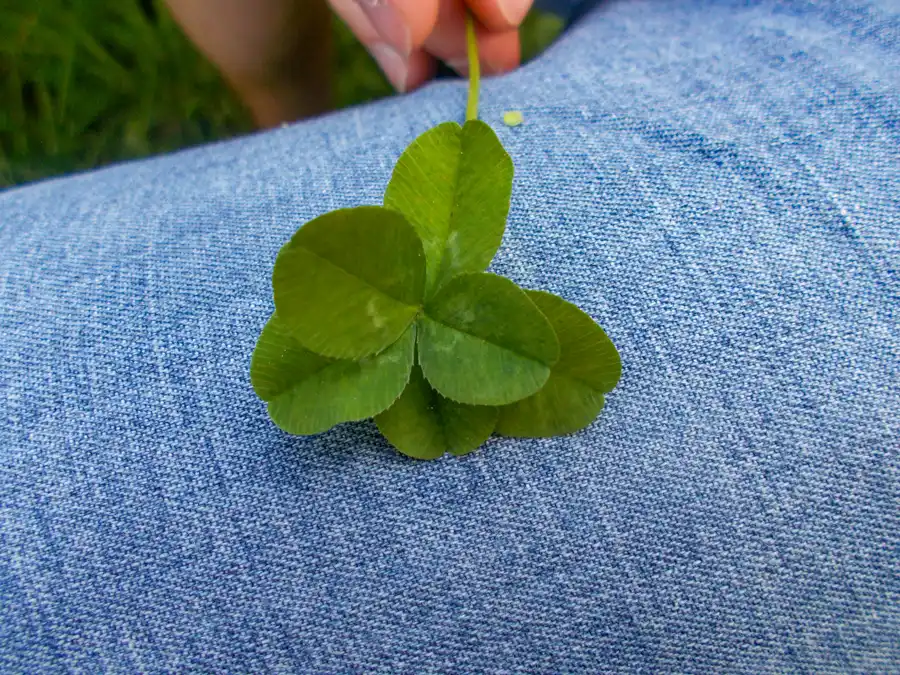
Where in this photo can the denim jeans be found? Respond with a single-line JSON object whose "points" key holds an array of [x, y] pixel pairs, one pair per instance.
{"points": [[717, 183]]}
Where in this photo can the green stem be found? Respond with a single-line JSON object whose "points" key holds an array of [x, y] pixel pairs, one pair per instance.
{"points": [[474, 68]]}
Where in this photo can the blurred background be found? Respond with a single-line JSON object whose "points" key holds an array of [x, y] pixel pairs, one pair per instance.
{"points": [[84, 83]]}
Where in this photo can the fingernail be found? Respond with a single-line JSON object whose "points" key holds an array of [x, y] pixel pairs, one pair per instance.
{"points": [[393, 65], [514, 10], [389, 23]]}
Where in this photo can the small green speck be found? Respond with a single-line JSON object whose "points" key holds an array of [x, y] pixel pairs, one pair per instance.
{"points": [[512, 118]]}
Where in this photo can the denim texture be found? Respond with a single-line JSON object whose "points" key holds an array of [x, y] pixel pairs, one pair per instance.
{"points": [[717, 183]]}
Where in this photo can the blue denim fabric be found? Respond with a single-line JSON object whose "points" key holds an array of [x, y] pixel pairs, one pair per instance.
{"points": [[717, 183]]}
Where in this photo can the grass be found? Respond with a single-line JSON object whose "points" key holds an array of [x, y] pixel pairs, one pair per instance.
{"points": [[85, 83]]}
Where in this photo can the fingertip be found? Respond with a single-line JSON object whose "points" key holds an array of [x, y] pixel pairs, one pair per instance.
{"points": [[404, 73], [422, 68], [500, 15], [420, 17], [402, 24], [499, 52]]}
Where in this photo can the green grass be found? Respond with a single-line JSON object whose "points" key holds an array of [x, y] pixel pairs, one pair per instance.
{"points": [[84, 83]]}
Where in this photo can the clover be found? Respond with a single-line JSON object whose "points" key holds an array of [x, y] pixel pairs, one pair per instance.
{"points": [[388, 312]]}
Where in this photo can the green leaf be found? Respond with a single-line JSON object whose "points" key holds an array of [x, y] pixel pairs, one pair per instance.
{"points": [[279, 361], [454, 184], [588, 367], [425, 425], [308, 393], [482, 341], [350, 282]]}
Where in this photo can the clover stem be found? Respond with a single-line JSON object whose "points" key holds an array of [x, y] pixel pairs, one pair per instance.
{"points": [[474, 68]]}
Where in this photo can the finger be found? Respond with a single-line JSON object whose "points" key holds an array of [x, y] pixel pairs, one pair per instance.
{"points": [[404, 72], [500, 15], [401, 24], [422, 68], [498, 52]]}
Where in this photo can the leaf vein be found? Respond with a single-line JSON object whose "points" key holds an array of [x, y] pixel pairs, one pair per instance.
{"points": [[486, 341], [355, 276]]}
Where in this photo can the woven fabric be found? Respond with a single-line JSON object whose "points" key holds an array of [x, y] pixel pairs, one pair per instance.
{"points": [[717, 183]]}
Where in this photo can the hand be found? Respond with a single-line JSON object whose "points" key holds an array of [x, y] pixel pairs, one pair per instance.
{"points": [[274, 52], [406, 37]]}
